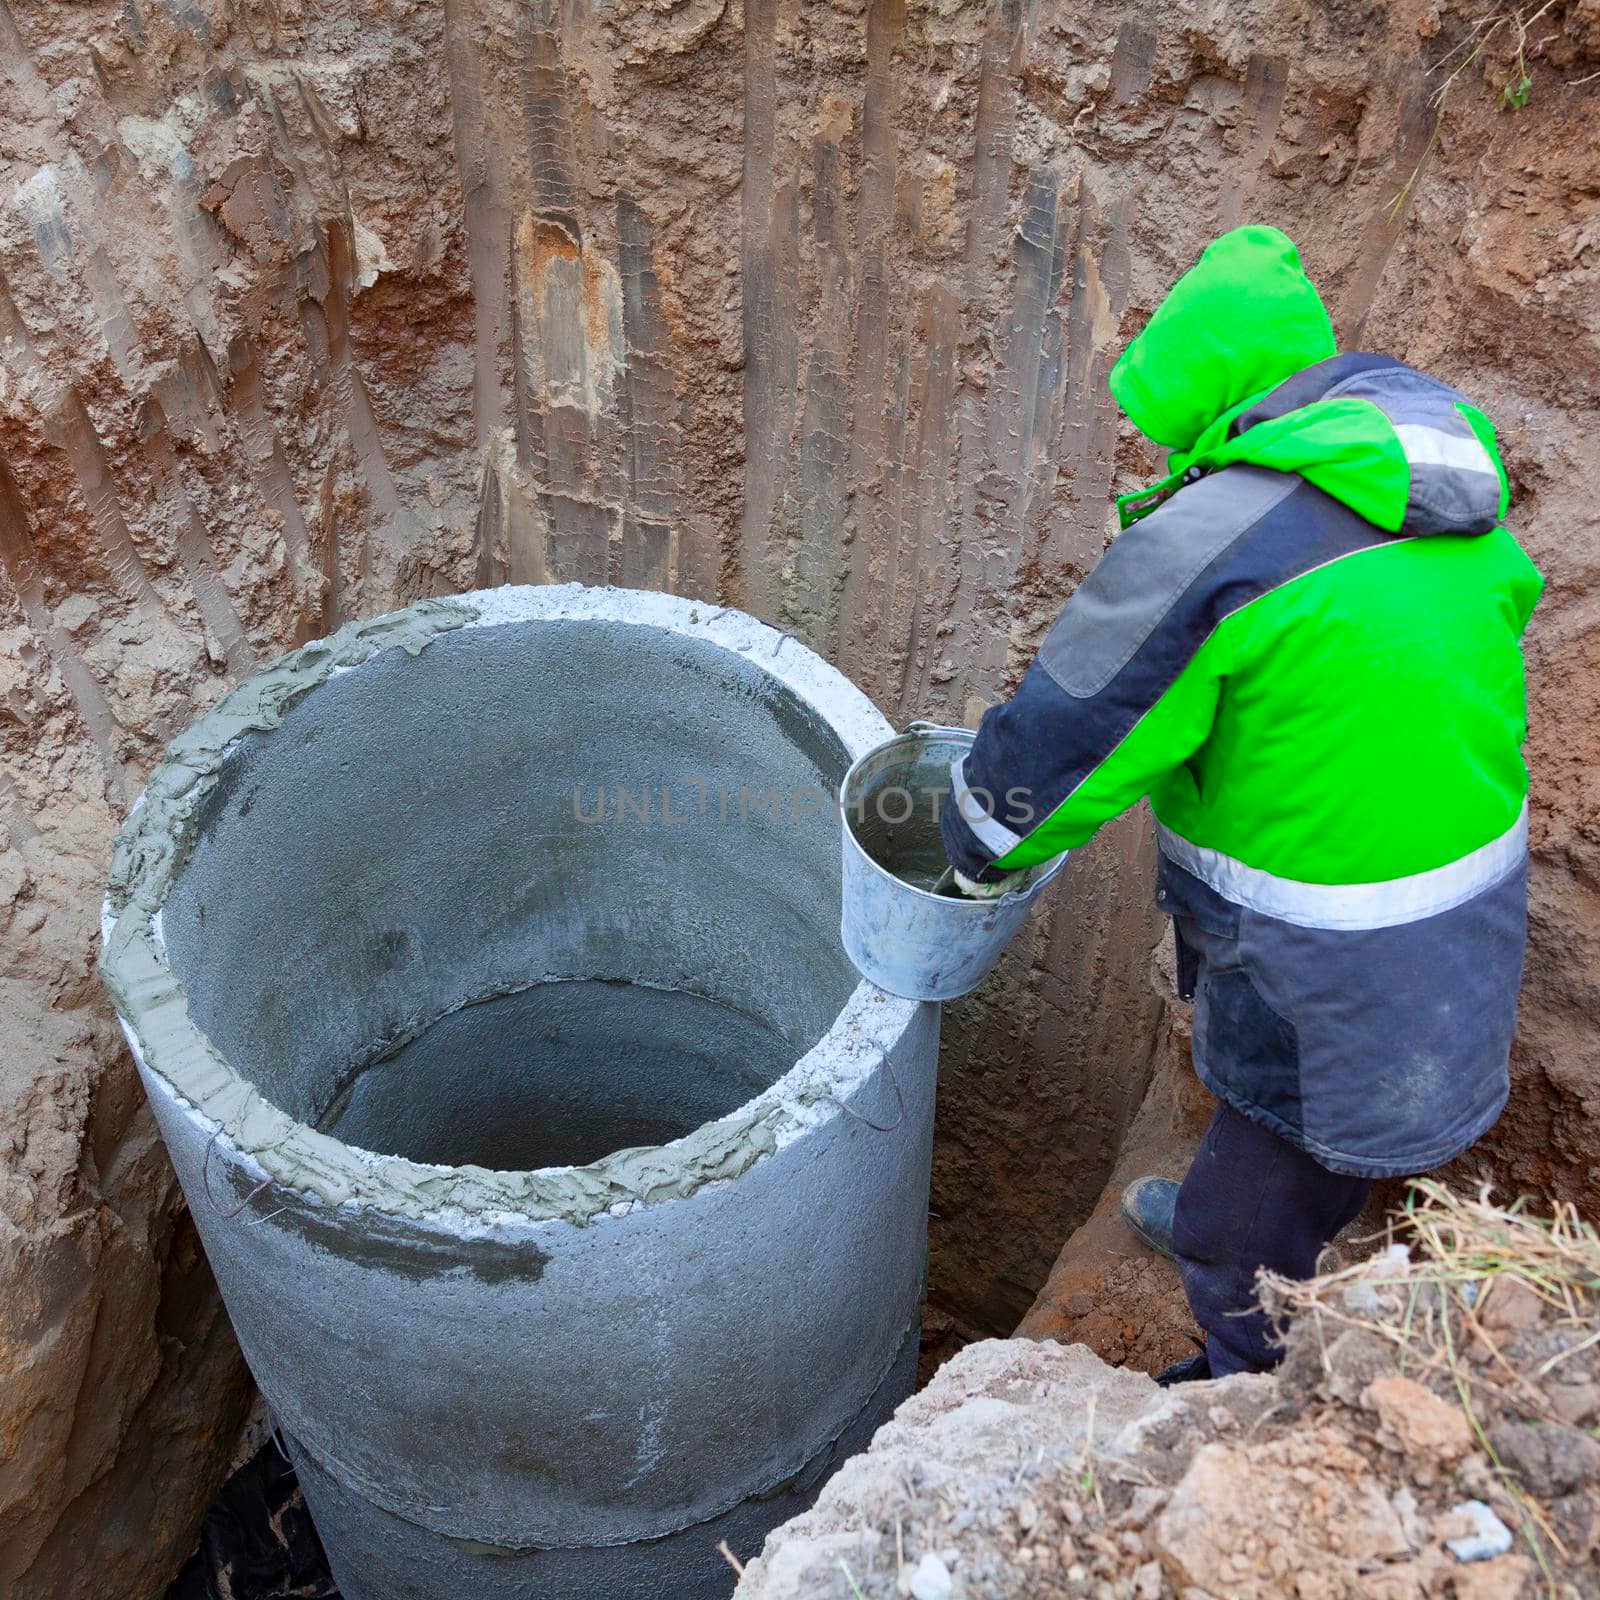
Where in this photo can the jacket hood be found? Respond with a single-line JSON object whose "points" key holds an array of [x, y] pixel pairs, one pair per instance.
{"points": [[1237, 365], [1240, 320]]}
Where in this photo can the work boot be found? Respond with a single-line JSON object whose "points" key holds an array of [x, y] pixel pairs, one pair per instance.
{"points": [[1195, 1370], [1148, 1206]]}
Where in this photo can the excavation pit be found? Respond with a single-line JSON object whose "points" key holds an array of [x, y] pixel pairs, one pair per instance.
{"points": [[566, 1186]]}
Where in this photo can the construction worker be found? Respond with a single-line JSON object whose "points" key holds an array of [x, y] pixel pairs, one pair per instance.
{"points": [[1305, 649]]}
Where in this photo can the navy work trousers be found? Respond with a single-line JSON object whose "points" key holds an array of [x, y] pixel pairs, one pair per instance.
{"points": [[1252, 1200]]}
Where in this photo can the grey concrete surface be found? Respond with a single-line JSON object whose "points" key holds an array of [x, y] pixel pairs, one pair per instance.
{"points": [[317, 927], [384, 1557], [559, 1074]]}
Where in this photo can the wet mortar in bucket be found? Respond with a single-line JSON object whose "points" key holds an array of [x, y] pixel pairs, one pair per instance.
{"points": [[897, 825], [903, 922]]}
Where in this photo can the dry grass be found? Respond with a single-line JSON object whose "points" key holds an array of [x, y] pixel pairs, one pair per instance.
{"points": [[1447, 1252], [1515, 90], [1428, 1294]]}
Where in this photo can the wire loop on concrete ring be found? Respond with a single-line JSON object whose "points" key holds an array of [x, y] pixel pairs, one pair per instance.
{"points": [[878, 1127], [205, 1183]]}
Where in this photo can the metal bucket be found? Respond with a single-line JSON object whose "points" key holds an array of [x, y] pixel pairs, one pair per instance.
{"points": [[899, 933]]}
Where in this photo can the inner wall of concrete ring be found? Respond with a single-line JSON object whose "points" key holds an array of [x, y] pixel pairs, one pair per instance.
{"points": [[462, 1379]]}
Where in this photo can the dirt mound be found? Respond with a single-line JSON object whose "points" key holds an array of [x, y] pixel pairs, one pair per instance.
{"points": [[1431, 1434]]}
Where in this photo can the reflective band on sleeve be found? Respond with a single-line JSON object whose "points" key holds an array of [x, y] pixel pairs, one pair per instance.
{"points": [[989, 831], [1433, 447], [1354, 905]]}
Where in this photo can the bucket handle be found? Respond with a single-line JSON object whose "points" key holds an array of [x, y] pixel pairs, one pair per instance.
{"points": [[922, 725]]}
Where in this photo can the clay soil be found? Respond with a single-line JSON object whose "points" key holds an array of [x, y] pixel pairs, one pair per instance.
{"points": [[805, 307]]}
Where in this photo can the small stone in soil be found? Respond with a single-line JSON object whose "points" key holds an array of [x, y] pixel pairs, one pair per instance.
{"points": [[1490, 1537]]}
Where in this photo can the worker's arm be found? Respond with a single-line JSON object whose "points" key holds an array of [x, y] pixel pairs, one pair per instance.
{"points": [[1123, 690]]}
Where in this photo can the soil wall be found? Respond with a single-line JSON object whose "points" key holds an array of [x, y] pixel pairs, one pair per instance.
{"points": [[309, 310]]}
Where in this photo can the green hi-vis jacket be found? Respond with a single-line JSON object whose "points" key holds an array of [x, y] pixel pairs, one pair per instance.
{"points": [[1304, 647]]}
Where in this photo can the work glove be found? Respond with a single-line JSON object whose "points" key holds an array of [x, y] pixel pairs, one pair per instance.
{"points": [[974, 890]]}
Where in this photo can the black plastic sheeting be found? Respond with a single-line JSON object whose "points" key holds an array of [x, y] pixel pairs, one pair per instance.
{"points": [[257, 1541]]}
